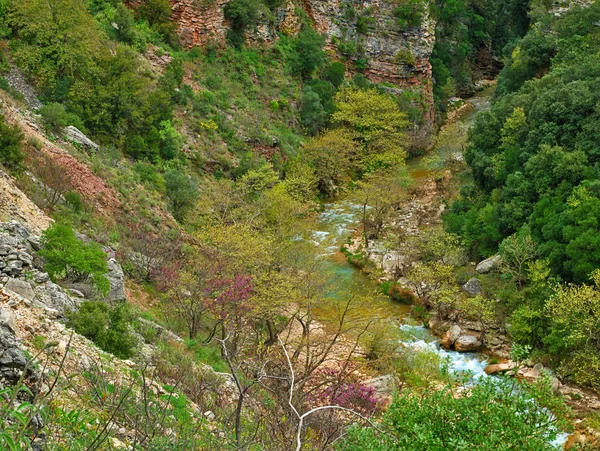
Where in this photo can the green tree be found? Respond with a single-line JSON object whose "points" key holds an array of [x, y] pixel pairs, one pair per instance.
{"points": [[312, 114], [57, 38], [243, 14], [377, 122], [125, 24], [517, 252], [158, 15], [335, 157], [68, 258], [379, 193], [309, 53], [574, 313], [11, 138], [182, 193], [335, 73], [435, 283], [56, 117]]}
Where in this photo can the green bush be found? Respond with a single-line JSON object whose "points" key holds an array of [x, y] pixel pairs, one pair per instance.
{"points": [[68, 258], [148, 175], [410, 13], [11, 138], [74, 201], [158, 15], [108, 327], [309, 54], [312, 114], [125, 24], [335, 73], [55, 117]]}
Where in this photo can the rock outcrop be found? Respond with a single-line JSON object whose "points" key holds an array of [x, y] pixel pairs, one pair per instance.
{"points": [[13, 361], [16, 206], [22, 276], [75, 135]]}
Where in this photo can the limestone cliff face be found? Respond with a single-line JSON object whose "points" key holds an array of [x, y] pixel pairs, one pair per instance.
{"points": [[358, 31]]}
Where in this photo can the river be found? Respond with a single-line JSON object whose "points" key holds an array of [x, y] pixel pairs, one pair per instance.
{"points": [[339, 220]]}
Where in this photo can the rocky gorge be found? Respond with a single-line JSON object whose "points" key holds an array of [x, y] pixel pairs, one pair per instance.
{"points": [[363, 33]]}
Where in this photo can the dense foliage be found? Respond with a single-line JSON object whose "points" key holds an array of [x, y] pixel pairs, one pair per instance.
{"points": [[495, 415], [108, 327], [470, 38], [535, 196], [534, 156], [11, 137], [237, 141]]}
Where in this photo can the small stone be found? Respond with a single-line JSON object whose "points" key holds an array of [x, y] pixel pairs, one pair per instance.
{"points": [[40, 277], [15, 266], [26, 258], [7, 319], [498, 368], [76, 293], [210, 416], [52, 313]]}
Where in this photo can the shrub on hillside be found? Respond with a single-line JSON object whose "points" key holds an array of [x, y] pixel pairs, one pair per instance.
{"points": [[335, 73], [182, 193], [68, 258], [56, 117], [108, 327], [243, 14], [494, 415], [10, 145]]}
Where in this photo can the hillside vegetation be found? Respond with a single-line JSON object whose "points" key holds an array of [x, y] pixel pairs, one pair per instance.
{"points": [[177, 296]]}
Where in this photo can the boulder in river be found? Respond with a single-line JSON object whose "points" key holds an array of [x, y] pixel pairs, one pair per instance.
{"points": [[450, 337], [496, 368], [468, 343], [488, 264]]}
